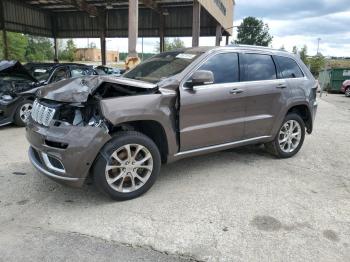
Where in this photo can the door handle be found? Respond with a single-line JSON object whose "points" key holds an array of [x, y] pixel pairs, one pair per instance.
{"points": [[281, 86], [236, 91]]}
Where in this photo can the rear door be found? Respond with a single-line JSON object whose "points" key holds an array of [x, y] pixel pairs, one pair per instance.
{"points": [[266, 94], [213, 114]]}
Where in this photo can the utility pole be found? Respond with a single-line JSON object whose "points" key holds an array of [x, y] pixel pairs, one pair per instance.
{"points": [[318, 45]]}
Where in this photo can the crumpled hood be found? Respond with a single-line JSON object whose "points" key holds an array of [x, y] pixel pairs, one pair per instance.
{"points": [[78, 89], [15, 67]]}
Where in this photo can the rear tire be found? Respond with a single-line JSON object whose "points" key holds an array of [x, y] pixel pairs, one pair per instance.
{"points": [[23, 112], [290, 137], [127, 166]]}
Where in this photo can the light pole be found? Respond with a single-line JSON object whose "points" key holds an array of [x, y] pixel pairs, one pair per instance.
{"points": [[318, 45]]}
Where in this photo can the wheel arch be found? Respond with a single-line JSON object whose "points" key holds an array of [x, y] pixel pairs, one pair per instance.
{"points": [[304, 112], [151, 128]]}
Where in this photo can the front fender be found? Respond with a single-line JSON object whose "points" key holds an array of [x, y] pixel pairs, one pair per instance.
{"points": [[152, 107]]}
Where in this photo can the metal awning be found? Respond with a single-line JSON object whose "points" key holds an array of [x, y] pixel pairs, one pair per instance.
{"points": [[85, 18]]}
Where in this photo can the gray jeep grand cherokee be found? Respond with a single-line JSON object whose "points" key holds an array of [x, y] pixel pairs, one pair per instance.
{"points": [[174, 105]]}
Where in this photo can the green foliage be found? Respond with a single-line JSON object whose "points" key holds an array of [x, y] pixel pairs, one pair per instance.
{"points": [[39, 49], [316, 63], [68, 53], [253, 31], [303, 55], [168, 45], [295, 50], [27, 48], [17, 44]]}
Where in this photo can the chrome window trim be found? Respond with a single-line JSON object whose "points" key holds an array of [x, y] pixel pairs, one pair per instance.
{"points": [[212, 54]]}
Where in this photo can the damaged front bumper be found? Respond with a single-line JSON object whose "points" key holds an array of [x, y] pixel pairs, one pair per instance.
{"points": [[66, 153]]}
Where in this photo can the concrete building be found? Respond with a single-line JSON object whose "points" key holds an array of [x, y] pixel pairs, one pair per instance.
{"points": [[118, 18], [94, 55]]}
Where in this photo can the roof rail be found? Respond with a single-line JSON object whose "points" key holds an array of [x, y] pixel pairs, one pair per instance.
{"points": [[256, 47]]}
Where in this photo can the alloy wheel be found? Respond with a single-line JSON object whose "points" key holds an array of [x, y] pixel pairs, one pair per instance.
{"points": [[289, 136], [24, 112], [128, 168], [347, 92]]}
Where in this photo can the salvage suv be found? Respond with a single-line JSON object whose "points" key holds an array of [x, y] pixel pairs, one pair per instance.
{"points": [[174, 105]]}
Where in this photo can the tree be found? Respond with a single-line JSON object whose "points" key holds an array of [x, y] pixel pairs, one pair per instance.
{"points": [[303, 54], [39, 49], [317, 63], [282, 48], [295, 50], [17, 44], [253, 31], [168, 46], [68, 54]]}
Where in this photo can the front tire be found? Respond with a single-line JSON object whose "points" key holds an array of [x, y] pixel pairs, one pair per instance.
{"points": [[127, 166], [22, 113], [290, 137]]}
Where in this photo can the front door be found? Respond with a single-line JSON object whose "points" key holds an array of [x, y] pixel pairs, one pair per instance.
{"points": [[213, 114]]}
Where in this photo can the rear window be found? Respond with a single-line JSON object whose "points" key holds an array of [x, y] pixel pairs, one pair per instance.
{"points": [[289, 68], [259, 67]]}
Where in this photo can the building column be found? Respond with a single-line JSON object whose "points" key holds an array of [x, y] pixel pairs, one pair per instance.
{"points": [[227, 39], [196, 23], [161, 33], [133, 27], [218, 35], [103, 49], [103, 29], [4, 33], [55, 47]]}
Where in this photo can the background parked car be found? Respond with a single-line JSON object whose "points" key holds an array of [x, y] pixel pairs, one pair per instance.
{"points": [[104, 70], [19, 83], [345, 88]]}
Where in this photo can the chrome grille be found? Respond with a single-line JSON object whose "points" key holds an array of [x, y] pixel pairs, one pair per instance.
{"points": [[42, 114]]}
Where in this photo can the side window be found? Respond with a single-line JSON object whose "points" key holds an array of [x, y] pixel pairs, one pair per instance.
{"points": [[289, 68], [60, 74], [259, 67], [224, 67]]}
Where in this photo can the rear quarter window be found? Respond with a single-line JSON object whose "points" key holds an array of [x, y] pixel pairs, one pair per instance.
{"points": [[289, 68]]}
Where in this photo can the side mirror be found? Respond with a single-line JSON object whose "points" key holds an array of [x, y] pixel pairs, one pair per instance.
{"points": [[202, 77]]}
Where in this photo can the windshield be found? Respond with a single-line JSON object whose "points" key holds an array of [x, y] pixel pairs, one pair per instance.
{"points": [[39, 72], [162, 66]]}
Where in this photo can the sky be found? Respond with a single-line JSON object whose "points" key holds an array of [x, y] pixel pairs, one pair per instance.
{"points": [[292, 23]]}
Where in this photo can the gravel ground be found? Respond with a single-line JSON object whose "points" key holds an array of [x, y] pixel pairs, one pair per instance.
{"points": [[235, 205]]}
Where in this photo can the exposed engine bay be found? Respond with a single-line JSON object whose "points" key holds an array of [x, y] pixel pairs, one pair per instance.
{"points": [[83, 113], [13, 87]]}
